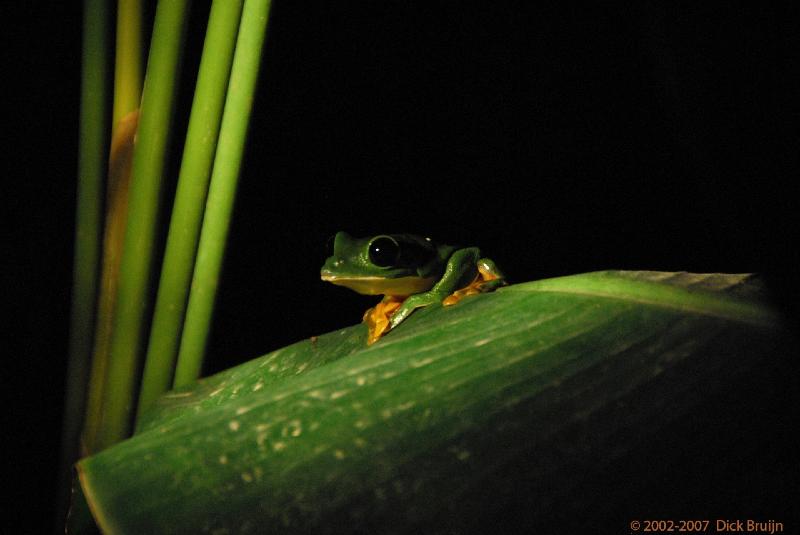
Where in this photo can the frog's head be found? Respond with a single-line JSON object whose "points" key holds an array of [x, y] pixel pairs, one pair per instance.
{"points": [[392, 264]]}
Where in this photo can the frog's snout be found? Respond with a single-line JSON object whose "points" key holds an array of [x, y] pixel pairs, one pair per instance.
{"points": [[329, 270]]}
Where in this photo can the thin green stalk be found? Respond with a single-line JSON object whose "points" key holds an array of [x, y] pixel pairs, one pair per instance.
{"points": [[145, 191], [128, 64], [117, 192], [125, 116], [190, 197], [91, 170], [222, 191]]}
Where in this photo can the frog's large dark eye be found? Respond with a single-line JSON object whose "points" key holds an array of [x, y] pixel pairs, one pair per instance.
{"points": [[384, 251]]}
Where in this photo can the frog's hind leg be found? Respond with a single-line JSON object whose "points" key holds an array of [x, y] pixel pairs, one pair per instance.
{"points": [[461, 268], [489, 278]]}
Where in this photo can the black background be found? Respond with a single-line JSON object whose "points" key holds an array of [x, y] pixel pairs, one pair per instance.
{"points": [[559, 138]]}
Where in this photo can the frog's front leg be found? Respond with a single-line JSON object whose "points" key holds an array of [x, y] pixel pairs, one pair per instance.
{"points": [[460, 270]]}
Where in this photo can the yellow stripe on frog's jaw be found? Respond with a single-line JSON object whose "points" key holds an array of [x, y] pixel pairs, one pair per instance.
{"points": [[383, 286]]}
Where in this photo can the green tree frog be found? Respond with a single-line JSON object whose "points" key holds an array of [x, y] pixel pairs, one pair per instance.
{"points": [[409, 271]]}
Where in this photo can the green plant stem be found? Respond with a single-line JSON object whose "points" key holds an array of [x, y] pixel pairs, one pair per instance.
{"points": [[187, 212], [91, 170], [117, 193], [224, 179], [128, 64], [127, 92], [137, 255]]}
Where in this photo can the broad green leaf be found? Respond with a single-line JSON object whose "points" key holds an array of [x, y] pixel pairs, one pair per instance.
{"points": [[440, 423]]}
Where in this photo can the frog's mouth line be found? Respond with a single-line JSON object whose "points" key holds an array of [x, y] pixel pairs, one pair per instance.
{"points": [[382, 286]]}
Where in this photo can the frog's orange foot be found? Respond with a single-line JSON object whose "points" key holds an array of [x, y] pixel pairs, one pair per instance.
{"points": [[472, 289], [377, 318]]}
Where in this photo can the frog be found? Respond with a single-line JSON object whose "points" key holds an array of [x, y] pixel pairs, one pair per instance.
{"points": [[410, 272]]}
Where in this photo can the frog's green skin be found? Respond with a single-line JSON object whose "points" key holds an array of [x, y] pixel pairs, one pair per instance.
{"points": [[421, 271]]}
